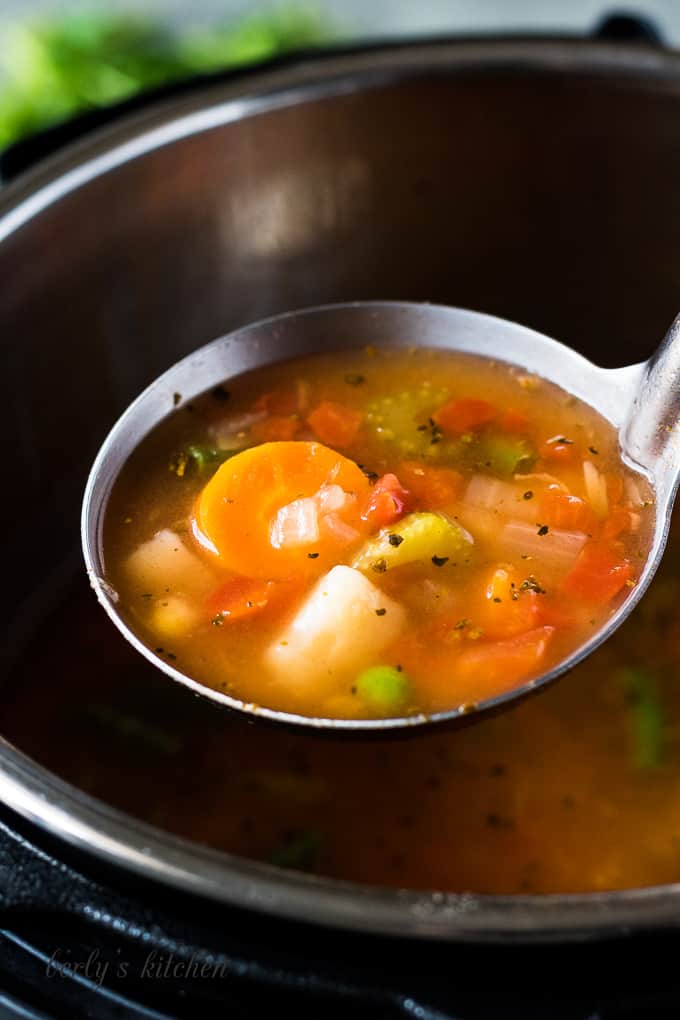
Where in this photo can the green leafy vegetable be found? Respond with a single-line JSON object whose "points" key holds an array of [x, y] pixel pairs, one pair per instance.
{"points": [[383, 687], [646, 718]]}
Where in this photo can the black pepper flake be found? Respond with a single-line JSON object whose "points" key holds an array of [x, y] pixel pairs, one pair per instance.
{"points": [[312, 556], [528, 494], [496, 599], [439, 561], [219, 393], [531, 584], [422, 428], [354, 379], [159, 650], [380, 566], [380, 612], [176, 399], [461, 625], [147, 595], [352, 690], [171, 655], [395, 540], [371, 475], [399, 667], [543, 529], [593, 451]]}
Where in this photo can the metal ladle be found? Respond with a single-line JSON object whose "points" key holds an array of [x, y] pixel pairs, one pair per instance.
{"points": [[641, 401]]}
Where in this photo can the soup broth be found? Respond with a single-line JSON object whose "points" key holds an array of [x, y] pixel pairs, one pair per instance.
{"points": [[370, 533]]}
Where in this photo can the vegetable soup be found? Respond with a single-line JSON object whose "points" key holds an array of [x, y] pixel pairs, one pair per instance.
{"points": [[375, 533]]}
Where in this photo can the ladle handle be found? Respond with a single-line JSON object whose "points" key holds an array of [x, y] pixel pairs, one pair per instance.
{"points": [[650, 435]]}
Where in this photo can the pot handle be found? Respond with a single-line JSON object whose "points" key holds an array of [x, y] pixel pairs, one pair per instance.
{"points": [[619, 26]]}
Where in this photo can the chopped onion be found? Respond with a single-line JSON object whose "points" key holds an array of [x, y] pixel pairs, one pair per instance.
{"points": [[339, 529], [333, 497], [499, 497], [632, 491], [544, 478], [596, 489], [295, 524], [556, 550]]}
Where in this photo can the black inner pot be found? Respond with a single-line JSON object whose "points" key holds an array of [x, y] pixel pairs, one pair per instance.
{"points": [[536, 181]]}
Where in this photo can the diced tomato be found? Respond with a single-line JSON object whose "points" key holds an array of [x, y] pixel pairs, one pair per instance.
{"points": [[431, 488], [335, 424], [513, 421], [599, 573], [244, 596], [460, 416], [386, 502], [276, 429], [498, 666], [279, 403], [481, 670], [505, 609], [619, 521], [558, 453], [570, 513]]}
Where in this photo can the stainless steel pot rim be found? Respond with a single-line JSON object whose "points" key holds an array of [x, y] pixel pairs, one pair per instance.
{"points": [[90, 825]]}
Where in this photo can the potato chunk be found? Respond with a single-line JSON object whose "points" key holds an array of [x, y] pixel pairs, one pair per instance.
{"points": [[342, 626], [166, 565]]}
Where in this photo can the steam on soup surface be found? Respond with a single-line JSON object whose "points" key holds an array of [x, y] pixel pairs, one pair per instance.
{"points": [[375, 533]]}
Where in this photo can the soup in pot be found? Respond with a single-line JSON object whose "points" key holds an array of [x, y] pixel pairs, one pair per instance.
{"points": [[576, 789]]}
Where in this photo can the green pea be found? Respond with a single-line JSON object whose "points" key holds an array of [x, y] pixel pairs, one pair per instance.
{"points": [[383, 687]]}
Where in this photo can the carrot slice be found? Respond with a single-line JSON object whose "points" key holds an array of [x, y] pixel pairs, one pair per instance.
{"points": [[334, 423], [599, 573], [464, 415], [386, 502], [234, 513], [431, 488], [570, 513]]}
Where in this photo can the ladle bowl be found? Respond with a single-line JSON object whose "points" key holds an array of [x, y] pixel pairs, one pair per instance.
{"points": [[641, 401]]}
